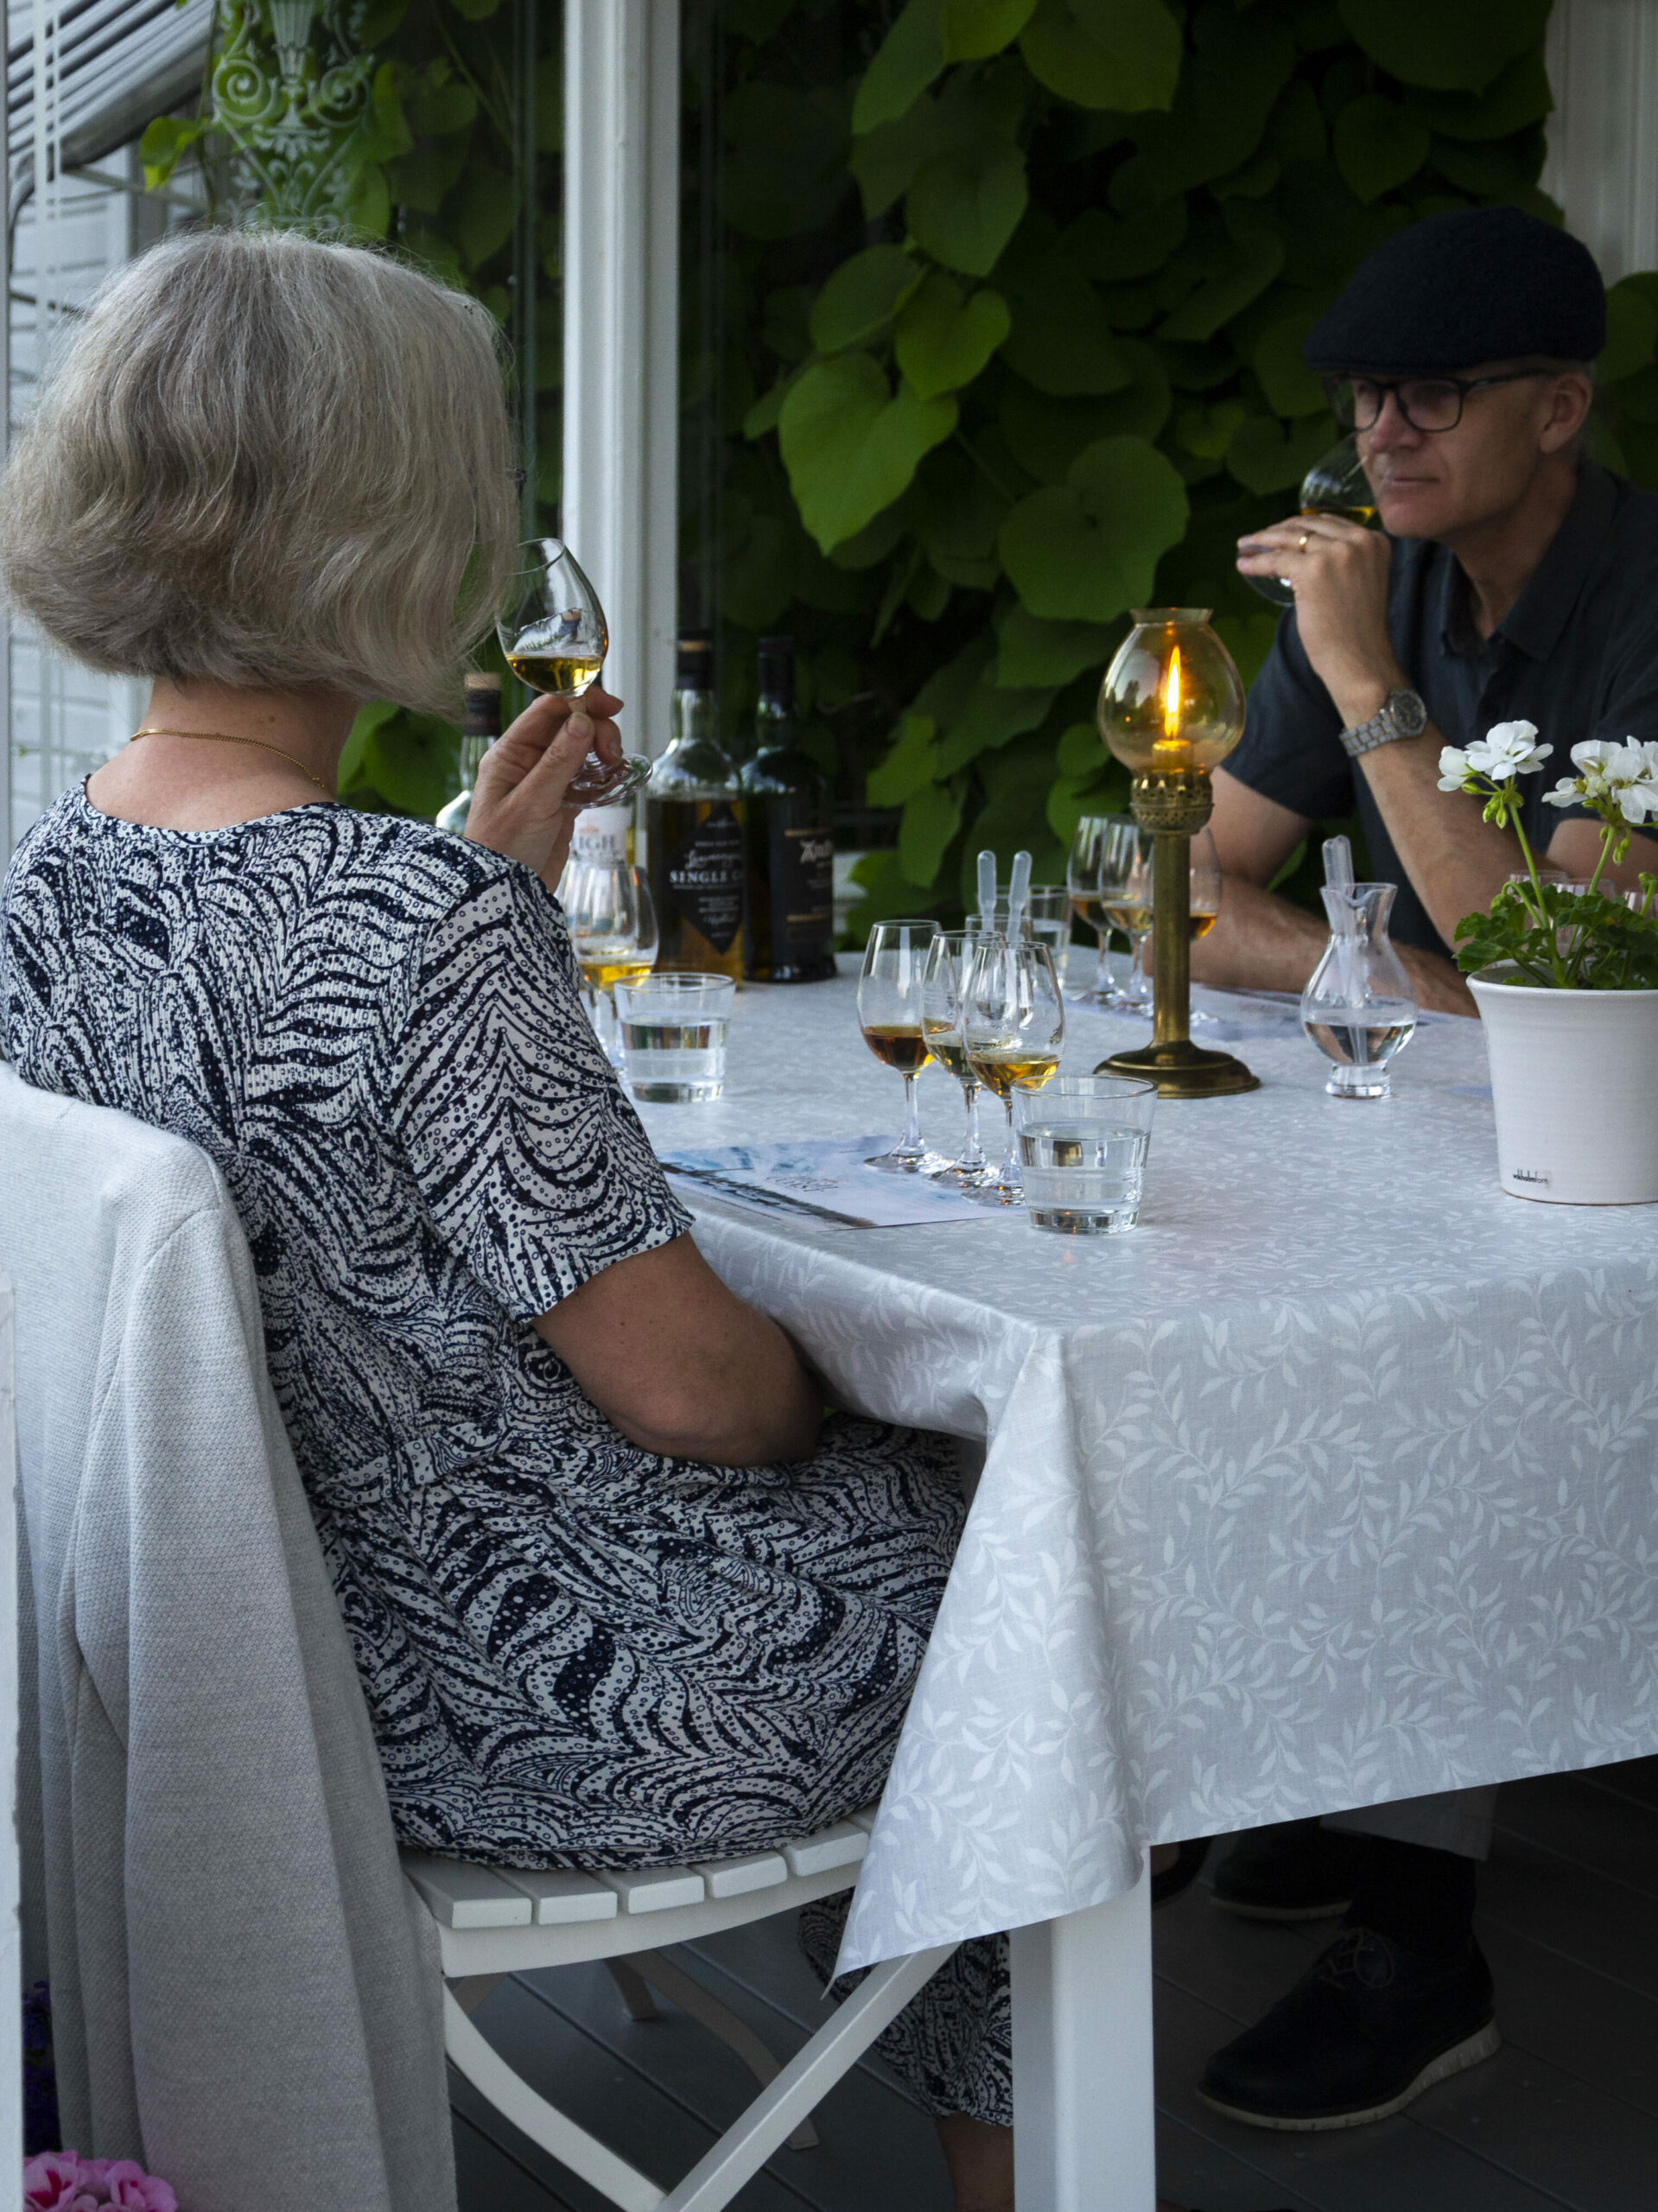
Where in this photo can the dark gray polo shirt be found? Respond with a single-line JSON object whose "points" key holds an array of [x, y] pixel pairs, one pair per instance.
{"points": [[1577, 654]]}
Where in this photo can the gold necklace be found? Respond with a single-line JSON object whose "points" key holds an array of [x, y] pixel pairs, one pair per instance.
{"points": [[225, 737]]}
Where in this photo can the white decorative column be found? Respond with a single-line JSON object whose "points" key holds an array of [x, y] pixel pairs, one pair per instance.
{"points": [[1602, 135], [11, 1977], [621, 336]]}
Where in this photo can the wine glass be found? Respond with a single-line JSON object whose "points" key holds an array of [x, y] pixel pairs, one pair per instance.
{"points": [[1205, 902], [612, 927], [890, 1009], [1126, 897], [1335, 485], [554, 638], [1083, 885], [941, 1025], [1012, 1025]]}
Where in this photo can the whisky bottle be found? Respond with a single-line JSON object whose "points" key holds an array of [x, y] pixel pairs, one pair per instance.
{"points": [[694, 832], [790, 844], [479, 728]]}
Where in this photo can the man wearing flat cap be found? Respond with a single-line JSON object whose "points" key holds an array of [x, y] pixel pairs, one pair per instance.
{"points": [[1512, 579]]}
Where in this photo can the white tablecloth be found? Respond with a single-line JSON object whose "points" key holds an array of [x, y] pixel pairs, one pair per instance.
{"points": [[1335, 1483]]}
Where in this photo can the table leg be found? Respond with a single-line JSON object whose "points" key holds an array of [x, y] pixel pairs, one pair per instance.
{"points": [[1083, 2119]]}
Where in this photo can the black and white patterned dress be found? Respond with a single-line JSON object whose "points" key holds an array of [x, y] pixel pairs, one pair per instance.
{"points": [[575, 1652]]}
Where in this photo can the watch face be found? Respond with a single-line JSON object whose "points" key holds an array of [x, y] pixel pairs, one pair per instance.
{"points": [[1409, 715]]}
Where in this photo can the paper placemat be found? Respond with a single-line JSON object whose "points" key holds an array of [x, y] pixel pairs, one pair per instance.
{"points": [[824, 1182]]}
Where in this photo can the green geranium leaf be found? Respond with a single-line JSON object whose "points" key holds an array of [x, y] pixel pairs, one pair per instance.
{"points": [[944, 338], [1290, 386], [1084, 550], [1105, 54], [861, 295], [966, 203], [1378, 144], [1631, 333], [907, 767], [850, 447], [908, 59], [1265, 458], [1520, 95], [1447, 45], [1035, 652], [1062, 340], [932, 817], [974, 30], [1115, 252]]}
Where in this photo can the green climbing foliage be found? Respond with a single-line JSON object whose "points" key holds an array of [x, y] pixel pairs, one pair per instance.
{"points": [[1020, 348]]}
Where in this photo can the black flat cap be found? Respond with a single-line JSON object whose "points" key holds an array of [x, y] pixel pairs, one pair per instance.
{"points": [[1478, 284]]}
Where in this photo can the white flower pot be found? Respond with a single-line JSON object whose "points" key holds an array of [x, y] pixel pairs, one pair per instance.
{"points": [[1574, 1082]]}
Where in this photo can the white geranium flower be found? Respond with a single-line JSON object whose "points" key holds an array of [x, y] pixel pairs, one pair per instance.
{"points": [[1507, 750], [1625, 773], [1567, 792], [1453, 767]]}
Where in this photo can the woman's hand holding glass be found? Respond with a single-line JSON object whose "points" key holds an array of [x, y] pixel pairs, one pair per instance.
{"points": [[890, 1001], [523, 804], [1012, 1025], [942, 995]]}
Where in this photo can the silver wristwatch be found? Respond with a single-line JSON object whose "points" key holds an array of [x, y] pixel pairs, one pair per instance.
{"points": [[1402, 715]]}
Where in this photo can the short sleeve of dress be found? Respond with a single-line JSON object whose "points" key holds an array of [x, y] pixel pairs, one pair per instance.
{"points": [[532, 1166]]}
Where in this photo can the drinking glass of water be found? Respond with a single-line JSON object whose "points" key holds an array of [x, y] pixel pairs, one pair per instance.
{"points": [[1082, 1141], [673, 1030]]}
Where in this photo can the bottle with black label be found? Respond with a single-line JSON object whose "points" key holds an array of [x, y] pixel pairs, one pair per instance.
{"points": [[478, 731], [694, 832], [791, 843]]}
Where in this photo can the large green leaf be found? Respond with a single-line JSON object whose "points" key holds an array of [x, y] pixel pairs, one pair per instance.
{"points": [[1105, 54], [957, 512], [1631, 333], [884, 160], [410, 760], [945, 338], [907, 767], [1115, 252], [1266, 458], [991, 718], [483, 220], [785, 168], [973, 29], [932, 817], [908, 59], [1242, 64], [966, 202], [1378, 144], [1519, 96], [1447, 45], [851, 447], [1062, 338], [1035, 652], [1046, 434], [862, 294], [1084, 550], [1291, 387], [1256, 255]]}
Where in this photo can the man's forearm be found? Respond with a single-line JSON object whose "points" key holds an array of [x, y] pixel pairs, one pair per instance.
{"points": [[1456, 861], [1261, 943]]}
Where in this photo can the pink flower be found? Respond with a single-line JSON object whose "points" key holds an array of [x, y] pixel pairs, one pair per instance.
{"points": [[135, 2191], [51, 2181]]}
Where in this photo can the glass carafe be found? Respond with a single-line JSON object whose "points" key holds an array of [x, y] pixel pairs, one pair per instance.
{"points": [[1359, 1008]]}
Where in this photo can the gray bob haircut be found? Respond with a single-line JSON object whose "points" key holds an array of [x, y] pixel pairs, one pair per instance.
{"points": [[265, 460]]}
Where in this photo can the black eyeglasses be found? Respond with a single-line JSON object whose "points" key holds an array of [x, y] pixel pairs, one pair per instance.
{"points": [[1426, 402]]}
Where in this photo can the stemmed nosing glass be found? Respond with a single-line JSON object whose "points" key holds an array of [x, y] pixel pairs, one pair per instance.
{"points": [[1012, 1025], [890, 999], [943, 997], [1083, 887], [553, 634], [1125, 888], [612, 927]]}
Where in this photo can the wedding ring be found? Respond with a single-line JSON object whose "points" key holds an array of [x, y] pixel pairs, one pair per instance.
{"points": [[1302, 546]]}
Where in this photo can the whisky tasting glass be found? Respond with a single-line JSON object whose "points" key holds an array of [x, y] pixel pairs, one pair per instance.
{"points": [[1359, 1008], [554, 638], [612, 927], [1082, 1141], [941, 1025], [1083, 885], [891, 996], [1012, 1024], [1126, 897], [1335, 485], [1204, 903]]}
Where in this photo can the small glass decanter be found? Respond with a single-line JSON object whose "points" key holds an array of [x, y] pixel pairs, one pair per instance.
{"points": [[1359, 1008]]}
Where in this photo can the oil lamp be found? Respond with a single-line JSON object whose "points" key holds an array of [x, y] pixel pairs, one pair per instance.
{"points": [[1172, 708]]}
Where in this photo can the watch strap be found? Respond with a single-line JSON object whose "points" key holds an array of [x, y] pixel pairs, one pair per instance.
{"points": [[1402, 714]]}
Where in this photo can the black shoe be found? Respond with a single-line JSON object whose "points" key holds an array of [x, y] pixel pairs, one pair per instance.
{"points": [[1298, 1872], [1363, 2032], [1174, 1881]]}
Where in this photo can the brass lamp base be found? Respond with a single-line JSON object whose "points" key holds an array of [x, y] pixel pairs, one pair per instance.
{"points": [[1183, 1070]]}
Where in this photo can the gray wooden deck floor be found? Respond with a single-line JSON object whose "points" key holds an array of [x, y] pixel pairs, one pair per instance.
{"points": [[1565, 2116]]}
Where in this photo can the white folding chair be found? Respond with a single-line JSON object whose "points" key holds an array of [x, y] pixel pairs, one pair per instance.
{"points": [[493, 1921]]}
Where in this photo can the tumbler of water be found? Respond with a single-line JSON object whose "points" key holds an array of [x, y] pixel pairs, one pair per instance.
{"points": [[1082, 1141], [1359, 1009], [673, 1031]]}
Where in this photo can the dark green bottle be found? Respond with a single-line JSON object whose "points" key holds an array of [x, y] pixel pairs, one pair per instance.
{"points": [[791, 843]]}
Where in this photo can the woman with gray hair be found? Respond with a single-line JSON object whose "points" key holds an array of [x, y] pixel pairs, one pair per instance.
{"points": [[620, 1593]]}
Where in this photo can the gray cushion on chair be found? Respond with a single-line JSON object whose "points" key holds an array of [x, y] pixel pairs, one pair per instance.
{"points": [[245, 1993]]}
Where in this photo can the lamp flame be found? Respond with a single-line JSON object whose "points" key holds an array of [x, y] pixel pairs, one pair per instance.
{"points": [[1171, 697]]}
